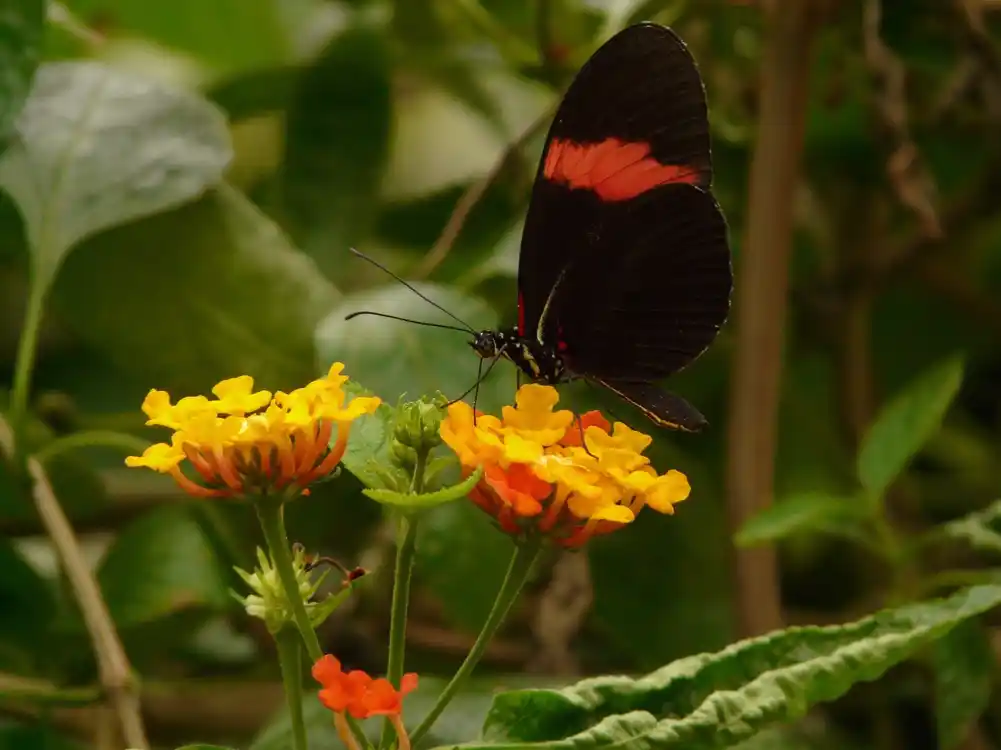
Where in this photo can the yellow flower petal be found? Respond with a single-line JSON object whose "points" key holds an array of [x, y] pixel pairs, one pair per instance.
{"points": [[158, 457], [614, 513], [668, 490], [236, 396], [519, 450]]}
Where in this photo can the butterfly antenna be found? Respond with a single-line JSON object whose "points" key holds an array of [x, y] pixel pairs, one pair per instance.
{"points": [[406, 320], [466, 327]]}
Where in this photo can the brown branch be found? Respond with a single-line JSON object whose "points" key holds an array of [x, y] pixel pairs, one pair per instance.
{"points": [[465, 205], [761, 302], [910, 178], [114, 671]]}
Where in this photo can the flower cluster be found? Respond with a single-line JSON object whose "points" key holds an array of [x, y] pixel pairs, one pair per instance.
{"points": [[245, 442], [361, 696], [538, 476]]}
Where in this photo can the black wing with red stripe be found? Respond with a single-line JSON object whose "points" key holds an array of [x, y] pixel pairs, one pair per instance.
{"points": [[634, 119]]}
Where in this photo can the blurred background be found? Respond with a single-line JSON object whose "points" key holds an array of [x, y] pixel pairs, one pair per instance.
{"points": [[857, 160]]}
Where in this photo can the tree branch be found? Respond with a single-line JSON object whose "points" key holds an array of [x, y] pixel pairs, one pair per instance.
{"points": [[114, 671], [761, 302]]}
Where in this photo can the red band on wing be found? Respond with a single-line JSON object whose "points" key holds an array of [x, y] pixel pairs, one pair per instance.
{"points": [[614, 169]]}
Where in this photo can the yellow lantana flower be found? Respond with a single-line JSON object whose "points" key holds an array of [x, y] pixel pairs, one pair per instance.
{"points": [[248, 441], [539, 478]]}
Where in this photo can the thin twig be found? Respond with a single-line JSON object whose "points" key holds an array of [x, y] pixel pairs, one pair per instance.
{"points": [[910, 178], [465, 205], [761, 302], [114, 671]]}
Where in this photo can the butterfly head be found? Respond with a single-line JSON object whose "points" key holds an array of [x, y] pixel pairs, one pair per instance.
{"points": [[489, 344]]}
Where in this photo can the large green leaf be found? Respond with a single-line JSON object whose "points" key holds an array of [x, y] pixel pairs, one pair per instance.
{"points": [[717, 700], [21, 26], [905, 424], [97, 147], [976, 529], [392, 358], [208, 291], [159, 565], [964, 671], [29, 599], [337, 143], [803, 513]]}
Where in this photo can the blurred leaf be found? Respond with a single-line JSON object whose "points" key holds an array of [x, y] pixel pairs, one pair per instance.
{"points": [[203, 747], [799, 514], [207, 291], [461, 558], [716, 700], [975, 529], [25, 594], [337, 144], [41, 736], [227, 34], [255, 92], [159, 565], [964, 668], [905, 424], [392, 357], [22, 23], [98, 147]]}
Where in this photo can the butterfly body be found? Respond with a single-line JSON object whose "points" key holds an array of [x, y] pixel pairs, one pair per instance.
{"points": [[624, 274]]}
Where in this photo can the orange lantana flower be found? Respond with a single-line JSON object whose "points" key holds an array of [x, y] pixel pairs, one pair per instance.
{"points": [[247, 442], [538, 476], [361, 696]]}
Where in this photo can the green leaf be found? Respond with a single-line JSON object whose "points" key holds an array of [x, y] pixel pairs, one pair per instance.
{"points": [[717, 700], [392, 358], [975, 529], [208, 291], [201, 746], [799, 514], [159, 565], [461, 559], [97, 147], [368, 445], [337, 144], [21, 25], [964, 668], [905, 424], [24, 592], [426, 499]]}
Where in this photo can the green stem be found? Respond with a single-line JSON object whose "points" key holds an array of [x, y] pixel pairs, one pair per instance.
{"points": [[514, 581], [24, 365], [290, 659], [269, 513], [92, 439]]}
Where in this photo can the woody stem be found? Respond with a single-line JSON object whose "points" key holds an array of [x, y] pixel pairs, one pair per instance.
{"points": [[518, 571]]}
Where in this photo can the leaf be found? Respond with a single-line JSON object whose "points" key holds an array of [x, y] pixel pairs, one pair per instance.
{"points": [[799, 514], [210, 290], [24, 592], [393, 358], [97, 147], [964, 668], [975, 529], [717, 700], [368, 444], [201, 746], [905, 424], [161, 564], [21, 25], [337, 145], [407, 500], [461, 558]]}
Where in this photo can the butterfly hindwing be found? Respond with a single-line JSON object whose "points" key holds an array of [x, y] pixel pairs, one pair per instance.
{"points": [[634, 118], [659, 406]]}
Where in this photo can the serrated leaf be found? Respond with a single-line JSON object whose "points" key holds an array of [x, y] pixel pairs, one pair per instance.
{"points": [[393, 358], [96, 147], [159, 565], [21, 26], [975, 529], [799, 514], [208, 291], [964, 668], [423, 500], [717, 700], [905, 424], [368, 444], [337, 145]]}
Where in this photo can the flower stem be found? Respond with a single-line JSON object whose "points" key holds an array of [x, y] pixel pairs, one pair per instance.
{"points": [[24, 365], [405, 553], [290, 659], [269, 513], [517, 574]]}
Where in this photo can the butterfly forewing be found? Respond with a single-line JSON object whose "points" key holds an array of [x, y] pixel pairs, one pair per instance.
{"points": [[633, 119]]}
